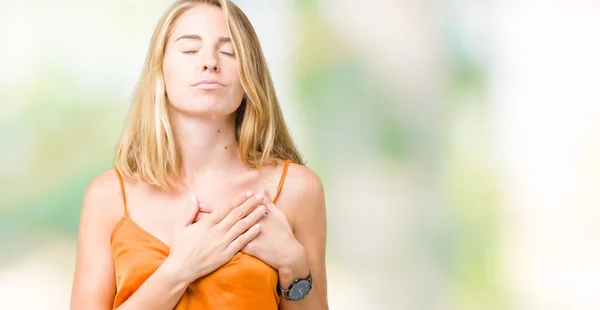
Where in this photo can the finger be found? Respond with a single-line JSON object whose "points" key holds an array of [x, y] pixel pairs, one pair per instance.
{"points": [[244, 224], [219, 215], [272, 208], [204, 208], [263, 191], [199, 216], [267, 200], [241, 241], [240, 212], [190, 211], [202, 213]]}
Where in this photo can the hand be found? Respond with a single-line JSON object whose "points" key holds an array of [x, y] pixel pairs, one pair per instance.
{"points": [[200, 248], [203, 211], [276, 244]]}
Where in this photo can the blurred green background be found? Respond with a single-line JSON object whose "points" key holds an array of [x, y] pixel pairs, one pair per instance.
{"points": [[458, 142]]}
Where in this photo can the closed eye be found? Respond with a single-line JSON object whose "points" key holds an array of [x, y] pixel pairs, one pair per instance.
{"points": [[225, 53], [190, 52]]}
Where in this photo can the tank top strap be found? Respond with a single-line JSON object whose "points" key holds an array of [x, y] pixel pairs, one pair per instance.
{"points": [[122, 184], [282, 179]]}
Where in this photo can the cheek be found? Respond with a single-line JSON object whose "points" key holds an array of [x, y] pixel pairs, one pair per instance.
{"points": [[237, 89], [171, 70], [236, 93], [174, 77]]}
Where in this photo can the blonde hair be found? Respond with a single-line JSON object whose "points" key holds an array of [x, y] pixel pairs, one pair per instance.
{"points": [[147, 149]]}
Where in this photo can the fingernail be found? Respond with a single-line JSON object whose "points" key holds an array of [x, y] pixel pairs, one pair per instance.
{"points": [[193, 198], [249, 194], [261, 208], [259, 197]]}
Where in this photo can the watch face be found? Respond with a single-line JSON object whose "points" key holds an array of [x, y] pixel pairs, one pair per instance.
{"points": [[300, 290]]}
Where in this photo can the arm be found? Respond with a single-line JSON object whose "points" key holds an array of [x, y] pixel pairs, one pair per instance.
{"points": [[94, 286], [94, 279], [305, 202], [161, 291]]}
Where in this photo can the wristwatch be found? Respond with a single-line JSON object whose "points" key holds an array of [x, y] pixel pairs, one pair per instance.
{"points": [[297, 290]]}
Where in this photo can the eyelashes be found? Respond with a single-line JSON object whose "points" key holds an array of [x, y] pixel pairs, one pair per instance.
{"points": [[192, 52], [228, 54]]}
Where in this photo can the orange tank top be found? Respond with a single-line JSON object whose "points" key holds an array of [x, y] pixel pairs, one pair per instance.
{"points": [[244, 283]]}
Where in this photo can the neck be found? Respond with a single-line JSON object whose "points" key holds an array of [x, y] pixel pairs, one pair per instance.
{"points": [[206, 145]]}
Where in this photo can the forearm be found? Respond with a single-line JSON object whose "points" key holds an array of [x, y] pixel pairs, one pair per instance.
{"points": [[298, 268], [311, 301], [161, 291]]}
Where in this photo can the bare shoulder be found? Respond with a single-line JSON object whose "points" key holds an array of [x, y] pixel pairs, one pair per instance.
{"points": [[102, 199], [302, 193], [302, 183]]}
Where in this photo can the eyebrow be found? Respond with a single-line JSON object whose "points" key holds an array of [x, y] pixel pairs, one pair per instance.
{"points": [[199, 38]]}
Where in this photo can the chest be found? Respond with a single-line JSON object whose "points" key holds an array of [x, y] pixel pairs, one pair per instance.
{"points": [[157, 212], [137, 256]]}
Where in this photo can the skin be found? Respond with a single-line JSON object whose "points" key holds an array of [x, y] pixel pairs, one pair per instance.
{"points": [[204, 222]]}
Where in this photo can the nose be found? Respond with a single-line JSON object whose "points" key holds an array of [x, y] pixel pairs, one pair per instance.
{"points": [[211, 64]]}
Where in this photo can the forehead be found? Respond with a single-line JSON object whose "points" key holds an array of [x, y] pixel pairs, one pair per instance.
{"points": [[204, 20]]}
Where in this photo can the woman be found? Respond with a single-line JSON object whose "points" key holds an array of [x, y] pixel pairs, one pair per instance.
{"points": [[205, 123]]}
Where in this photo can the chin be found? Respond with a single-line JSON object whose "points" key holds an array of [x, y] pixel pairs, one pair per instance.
{"points": [[208, 106]]}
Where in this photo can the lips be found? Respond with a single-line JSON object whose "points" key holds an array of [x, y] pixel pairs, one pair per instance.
{"points": [[208, 84]]}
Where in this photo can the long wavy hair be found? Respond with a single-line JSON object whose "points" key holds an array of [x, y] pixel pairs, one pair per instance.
{"points": [[148, 149]]}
